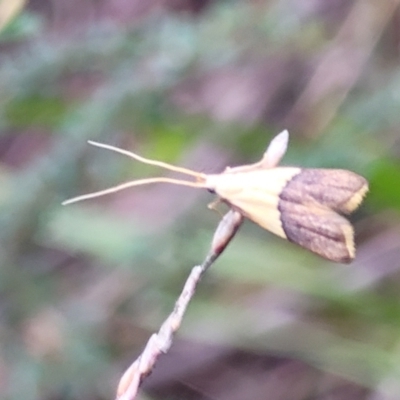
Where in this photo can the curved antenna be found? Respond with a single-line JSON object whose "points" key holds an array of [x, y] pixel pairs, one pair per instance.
{"points": [[126, 185], [148, 161]]}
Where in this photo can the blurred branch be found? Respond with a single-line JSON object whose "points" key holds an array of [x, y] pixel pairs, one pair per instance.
{"points": [[159, 343], [8, 10], [340, 67]]}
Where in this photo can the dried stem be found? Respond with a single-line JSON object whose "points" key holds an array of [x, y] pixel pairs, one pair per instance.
{"points": [[159, 343]]}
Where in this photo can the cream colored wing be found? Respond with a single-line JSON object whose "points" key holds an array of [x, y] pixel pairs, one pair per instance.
{"points": [[255, 194]]}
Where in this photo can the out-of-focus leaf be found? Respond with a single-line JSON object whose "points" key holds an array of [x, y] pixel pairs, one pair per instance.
{"points": [[38, 111], [24, 26], [8, 10], [384, 182], [93, 232]]}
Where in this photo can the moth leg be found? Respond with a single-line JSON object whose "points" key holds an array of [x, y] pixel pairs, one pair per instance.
{"points": [[213, 206]]}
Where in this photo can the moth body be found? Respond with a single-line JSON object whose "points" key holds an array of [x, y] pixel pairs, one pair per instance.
{"points": [[300, 205]]}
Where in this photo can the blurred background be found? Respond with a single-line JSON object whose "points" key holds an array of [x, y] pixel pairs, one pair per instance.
{"points": [[202, 84]]}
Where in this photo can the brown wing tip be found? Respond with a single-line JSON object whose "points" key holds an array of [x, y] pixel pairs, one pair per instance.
{"points": [[355, 200], [341, 251], [348, 234]]}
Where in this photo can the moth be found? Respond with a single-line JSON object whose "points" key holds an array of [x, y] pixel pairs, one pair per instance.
{"points": [[302, 205]]}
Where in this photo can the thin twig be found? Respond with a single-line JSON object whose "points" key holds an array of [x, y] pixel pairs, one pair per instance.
{"points": [[159, 343]]}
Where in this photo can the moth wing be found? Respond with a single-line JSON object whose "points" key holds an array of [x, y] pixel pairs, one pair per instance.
{"points": [[255, 194], [315, 228], [319, 230], [337, 189], [298, 204]]}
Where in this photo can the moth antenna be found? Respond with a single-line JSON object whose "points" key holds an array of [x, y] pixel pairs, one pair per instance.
{"points": [[161, 164], [126, 185]]}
